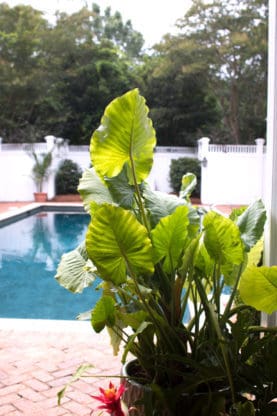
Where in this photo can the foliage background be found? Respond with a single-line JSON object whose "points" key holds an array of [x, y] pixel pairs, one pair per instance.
{"points": [[210, 79]]}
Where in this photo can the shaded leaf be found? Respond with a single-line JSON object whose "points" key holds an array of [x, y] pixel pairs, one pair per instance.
{"points": [[103, 314], [161, 205], [120, 189], [251, 224]]}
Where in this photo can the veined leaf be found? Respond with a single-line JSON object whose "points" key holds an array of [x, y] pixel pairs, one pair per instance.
{"points": [[103, 313], [258, 288], [203, 261], [189, 182], [160, 205], [92, 189], [255, 254], [125, 136], [169, 238], [75, 271], [117, 242], [251, 224], [222, 239], [120, 189]]}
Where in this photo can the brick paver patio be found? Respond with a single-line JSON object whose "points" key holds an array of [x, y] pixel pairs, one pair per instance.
{"points": [[36, 363]]}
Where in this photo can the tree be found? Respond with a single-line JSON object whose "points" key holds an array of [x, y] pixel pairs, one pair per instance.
{"points": [[20, 75], [58, 79], [183, 107], [232, 35]]}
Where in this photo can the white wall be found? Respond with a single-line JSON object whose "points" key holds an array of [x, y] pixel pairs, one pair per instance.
{"points": [[16, 183], [230, 174]]}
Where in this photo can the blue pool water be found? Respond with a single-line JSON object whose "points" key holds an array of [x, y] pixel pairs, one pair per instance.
{"points": [[30, 250]]}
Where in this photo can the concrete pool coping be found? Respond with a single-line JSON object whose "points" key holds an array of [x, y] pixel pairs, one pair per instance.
{"points": [[17, 213]]}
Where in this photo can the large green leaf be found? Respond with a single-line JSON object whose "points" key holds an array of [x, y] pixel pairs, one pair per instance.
{"points": [[120, 189], [169, 238], [189, 182], [125, 136], [103, 313], [117, 243], [258, 288], [222, 239], [92, 189], [75, 271], [161, 204], [251, 224]]}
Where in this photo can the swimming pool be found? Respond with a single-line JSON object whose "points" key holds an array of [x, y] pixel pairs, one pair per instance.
{"points": [[30, 250]]}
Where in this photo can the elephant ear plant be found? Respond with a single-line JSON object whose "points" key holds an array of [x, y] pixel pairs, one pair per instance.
{"points": [[181, 288]]}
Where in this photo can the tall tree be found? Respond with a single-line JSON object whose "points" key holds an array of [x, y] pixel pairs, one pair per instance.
{"points": [[233, 34], [183, 107], [21, 30], [58, 79]]}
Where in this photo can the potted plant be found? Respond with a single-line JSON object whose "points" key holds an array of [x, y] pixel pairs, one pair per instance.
{"points": [[181, 287], [40, 171]]}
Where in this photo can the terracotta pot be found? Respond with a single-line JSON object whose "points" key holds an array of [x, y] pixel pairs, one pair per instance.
{"points": [[40, 196]]}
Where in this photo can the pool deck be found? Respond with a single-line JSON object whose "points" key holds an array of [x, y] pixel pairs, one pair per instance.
{"points": [[38, 357]]}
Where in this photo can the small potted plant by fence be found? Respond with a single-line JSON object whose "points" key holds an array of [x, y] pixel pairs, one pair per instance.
{"points": [[181, 288], [40, 171]]}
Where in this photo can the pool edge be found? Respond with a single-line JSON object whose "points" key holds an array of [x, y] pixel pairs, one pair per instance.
{"points": [[12, 216]]}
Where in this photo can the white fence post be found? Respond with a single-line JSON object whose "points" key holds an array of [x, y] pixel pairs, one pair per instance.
{"points": [[260, 166], [50, 144], [50, 141], [270, 253], [203, 153]]}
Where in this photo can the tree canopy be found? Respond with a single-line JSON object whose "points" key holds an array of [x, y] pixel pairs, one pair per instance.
{"points": [[209, 79], [57, 79], [231, 36]]}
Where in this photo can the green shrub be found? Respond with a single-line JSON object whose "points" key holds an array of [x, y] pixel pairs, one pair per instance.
{"points": [[179, 167], [67, 178]]}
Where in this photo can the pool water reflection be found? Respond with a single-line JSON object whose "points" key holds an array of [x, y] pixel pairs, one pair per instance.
{"points": [[30, 250]]}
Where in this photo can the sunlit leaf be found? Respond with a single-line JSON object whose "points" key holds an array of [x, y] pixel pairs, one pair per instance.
{"points": [[189, 182], [169, 238], [117, 242], [258, 288], [92, 189], [125, 136], [222, 239], [75, 271]]}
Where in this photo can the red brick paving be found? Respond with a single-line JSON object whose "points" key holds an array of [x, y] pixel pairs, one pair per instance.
{"points": [[36, 364]]}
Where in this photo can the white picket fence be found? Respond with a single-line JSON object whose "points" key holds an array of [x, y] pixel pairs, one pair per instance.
{"points": [[230, 174]]}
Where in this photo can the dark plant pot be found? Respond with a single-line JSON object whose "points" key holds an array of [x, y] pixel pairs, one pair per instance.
{"points": [[40, 196], [200, 404]]}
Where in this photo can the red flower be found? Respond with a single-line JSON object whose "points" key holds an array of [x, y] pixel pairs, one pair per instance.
{"points": [[111, 399]]}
